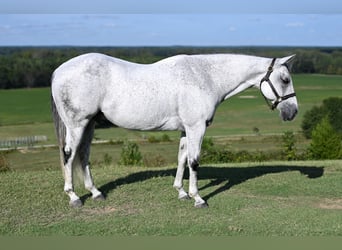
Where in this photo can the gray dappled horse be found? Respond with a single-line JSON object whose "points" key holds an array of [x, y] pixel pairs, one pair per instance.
{"points": [[178, 93]]}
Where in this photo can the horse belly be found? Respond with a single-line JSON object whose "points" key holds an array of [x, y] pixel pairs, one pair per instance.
{"points": [[139, 116], [146, 122], [172, 123]]}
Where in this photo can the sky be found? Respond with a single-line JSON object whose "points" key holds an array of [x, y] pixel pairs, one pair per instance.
{"points": [[171, 23]]}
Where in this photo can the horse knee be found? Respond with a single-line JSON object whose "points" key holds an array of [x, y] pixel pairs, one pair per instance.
{"points": [[67, 154], [194, 164]]}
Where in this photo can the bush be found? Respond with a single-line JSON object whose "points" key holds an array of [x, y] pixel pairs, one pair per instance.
{"points": [[334, 112], [330, 108], [107, 159], [4, 165], [289, 149], [310, 120], [165, 138], [130, 154], [213, 154], [162, 138], [217, 154], [152, 139], [326, 142]]}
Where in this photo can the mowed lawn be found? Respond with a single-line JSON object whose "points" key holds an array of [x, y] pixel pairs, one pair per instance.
{"points": [[255, 199], [247, 199]]}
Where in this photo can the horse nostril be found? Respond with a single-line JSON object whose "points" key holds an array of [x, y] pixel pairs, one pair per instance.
{"points": [[293, 115], [288, 112]]}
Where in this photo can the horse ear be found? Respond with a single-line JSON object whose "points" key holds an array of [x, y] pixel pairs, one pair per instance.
{"points": [[287, 61]]}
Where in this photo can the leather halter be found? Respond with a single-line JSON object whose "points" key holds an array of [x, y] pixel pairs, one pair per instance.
{"points": [[273, 105]]}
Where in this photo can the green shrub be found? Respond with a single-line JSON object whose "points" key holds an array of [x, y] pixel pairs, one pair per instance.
{"points": [[310, 120], [330, 108], [213, 154], [107, 159], [162, 138], [165, 138], [242, 156], [152, 139], [334, 107], [207, 144], [219, 154], [326, 142], [130, 154], [4, 165], [289, 149]]}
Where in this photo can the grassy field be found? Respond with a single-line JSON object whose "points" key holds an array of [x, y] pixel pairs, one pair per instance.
{"points": [[26, 112], [256, 199], [24, 106], [248, 199]]}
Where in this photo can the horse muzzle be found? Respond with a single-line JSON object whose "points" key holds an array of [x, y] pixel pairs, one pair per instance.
{"points": [[288, 111]]}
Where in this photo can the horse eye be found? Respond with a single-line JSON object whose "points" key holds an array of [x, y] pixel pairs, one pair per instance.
{"points": [[286, 80]]}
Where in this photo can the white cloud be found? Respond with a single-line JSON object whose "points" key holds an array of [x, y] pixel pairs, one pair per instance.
{"points": [[232, 28], [110, 25], [294, 24], [5, 27]]}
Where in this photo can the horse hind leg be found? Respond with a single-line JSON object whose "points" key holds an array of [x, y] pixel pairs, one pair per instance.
{"points": [[84, 152], [72, 141]]}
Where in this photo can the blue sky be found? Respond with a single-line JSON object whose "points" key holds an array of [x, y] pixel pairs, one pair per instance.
{"points": [[167, 23]]}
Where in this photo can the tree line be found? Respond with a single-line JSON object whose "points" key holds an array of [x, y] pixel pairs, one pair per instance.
{"points": [[27, 67]]}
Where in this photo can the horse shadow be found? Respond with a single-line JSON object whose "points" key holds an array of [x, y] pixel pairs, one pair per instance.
{"points": [[237, 175], [232, 176]]}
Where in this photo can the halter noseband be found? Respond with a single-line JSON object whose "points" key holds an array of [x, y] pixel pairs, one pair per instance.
{"points": [[279, 98]]}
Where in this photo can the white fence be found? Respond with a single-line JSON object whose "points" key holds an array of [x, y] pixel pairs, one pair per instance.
{"points": [[28, 141]]}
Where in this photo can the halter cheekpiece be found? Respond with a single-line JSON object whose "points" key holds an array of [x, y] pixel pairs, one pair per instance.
{"points": [[279, 98]]}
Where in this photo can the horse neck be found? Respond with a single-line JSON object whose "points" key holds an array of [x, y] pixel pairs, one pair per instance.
{"points": [[231, 74]]}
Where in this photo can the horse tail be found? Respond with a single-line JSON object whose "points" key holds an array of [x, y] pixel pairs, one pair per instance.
{"points": [[60, 131]]}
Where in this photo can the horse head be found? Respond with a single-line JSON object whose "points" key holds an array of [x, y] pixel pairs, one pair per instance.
{"points": [[277, 88]]}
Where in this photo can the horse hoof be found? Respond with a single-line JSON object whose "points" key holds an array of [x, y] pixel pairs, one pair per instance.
{"points": [[201, 205], [184, 197], [100, 197], [76, 203]]}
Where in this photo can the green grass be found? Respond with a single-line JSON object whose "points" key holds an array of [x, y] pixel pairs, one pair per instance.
{"points": [[249, 199], [48, 158], [254, 199], [25, 106]]}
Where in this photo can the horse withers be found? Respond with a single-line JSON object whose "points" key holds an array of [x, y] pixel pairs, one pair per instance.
{"points": [[177, 93]]}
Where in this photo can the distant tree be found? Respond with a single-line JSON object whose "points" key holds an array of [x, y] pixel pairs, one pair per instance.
{"points": [[310, 120], [333, 107], [326, 142], [330, 108], [33, 66]]}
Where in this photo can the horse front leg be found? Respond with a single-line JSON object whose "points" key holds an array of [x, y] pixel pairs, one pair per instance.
{"points": [[182, 156], [194, 141]]}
